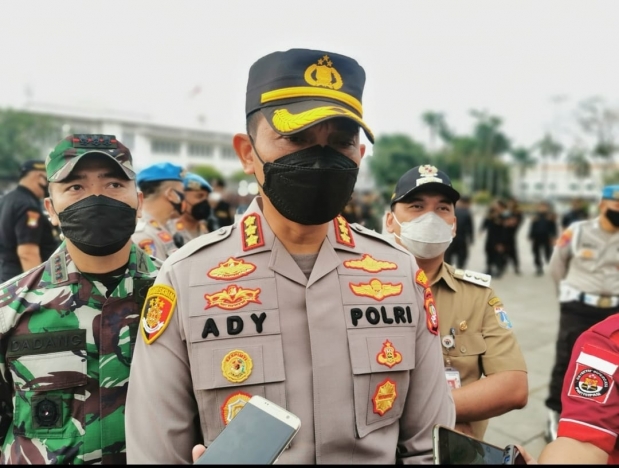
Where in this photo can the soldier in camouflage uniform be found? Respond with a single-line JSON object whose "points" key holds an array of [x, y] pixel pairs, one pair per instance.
{"points": [[68, 326], [192, 222], [164, 200]]}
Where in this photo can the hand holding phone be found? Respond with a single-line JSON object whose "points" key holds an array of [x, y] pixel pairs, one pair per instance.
{"points": [[257, 435]]}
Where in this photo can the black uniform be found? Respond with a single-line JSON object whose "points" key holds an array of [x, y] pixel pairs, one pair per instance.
{"points": [[458, 251], [22, 221]]}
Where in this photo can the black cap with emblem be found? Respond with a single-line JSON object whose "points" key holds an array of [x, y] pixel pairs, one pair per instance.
{"points": [[424, 178], [299, 88]]}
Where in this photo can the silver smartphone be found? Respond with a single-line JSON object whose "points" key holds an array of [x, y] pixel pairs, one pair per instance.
{"points": [[257, 435], [451, 447]]}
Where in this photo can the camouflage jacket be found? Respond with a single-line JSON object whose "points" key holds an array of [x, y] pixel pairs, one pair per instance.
{"points": [[64, 361]]}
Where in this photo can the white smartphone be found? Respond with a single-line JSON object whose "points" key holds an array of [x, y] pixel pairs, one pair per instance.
{"points": [[451, 447], [257, 435]]}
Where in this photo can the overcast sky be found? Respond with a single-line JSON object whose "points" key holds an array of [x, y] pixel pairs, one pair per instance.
{"points": [[145, 58]]}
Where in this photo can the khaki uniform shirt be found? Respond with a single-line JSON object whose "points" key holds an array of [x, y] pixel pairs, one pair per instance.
{"points": [[153, 238], [586, 258], [178, 228], [348, 350], [484, 343]]}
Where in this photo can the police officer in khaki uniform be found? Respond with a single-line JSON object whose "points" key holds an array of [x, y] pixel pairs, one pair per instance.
{"points": [[192, 223], [164, 199], [475, 330], [326, 319], [585, 267]]}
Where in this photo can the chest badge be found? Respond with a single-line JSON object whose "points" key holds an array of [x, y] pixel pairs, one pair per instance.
{"points": [[231, 298], [389, 356], [369, 264], [384, 396], [231, 269], [376, 289], [164, 236], [236, 366], [233, 405]]}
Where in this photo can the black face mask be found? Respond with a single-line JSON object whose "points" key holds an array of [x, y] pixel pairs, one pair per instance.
{"points": [[178, 206], [201, 210], [98, 225], [311, 186], [612, 216]]}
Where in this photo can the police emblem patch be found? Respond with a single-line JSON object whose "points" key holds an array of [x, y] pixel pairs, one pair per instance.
{"points": [[369, 264], [148, 246], [157, 311], [431, 313], [565, 238], [232, 297], [233, 405], [236, 366], [389, 356], [502, 318], [376, 289], [384, 396], [33, 219], [593, 376], [232, 268]]}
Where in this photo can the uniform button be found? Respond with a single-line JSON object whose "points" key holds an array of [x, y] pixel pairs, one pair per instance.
{"points": [[462, 349], [221, 231], [463, 325]]}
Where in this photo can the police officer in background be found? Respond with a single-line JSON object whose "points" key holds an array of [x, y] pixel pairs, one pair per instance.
{"points": [[26, 235], [585, 267], [69, 325], [476, 333], [326, 319], [164, 200], [222, 213], [192, 223]]}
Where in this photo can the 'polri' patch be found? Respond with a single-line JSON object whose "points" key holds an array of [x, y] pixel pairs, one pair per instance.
{"points": [[157, 311]]}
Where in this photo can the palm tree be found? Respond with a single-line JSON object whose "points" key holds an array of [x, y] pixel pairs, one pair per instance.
{"points": [[524, 161], [547, 147]]}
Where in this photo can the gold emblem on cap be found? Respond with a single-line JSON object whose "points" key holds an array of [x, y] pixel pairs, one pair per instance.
{"points": [[323, 74], [463, 325], [236, 366], [193, 185], [428, 174]]}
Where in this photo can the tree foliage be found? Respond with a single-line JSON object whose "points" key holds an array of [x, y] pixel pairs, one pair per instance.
{"points": [[206, 171], [22, 136]]}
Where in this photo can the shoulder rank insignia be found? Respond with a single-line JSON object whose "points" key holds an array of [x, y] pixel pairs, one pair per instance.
{"points": [[343, 234], [384, 396], [473, 277], [251, 229], [233, 405], [421, 279], [232, 297], [180, 226], [236, 366], [369, 264], [376, 289], [389, 356], [231, 269], [494, 301], [157, 311]]}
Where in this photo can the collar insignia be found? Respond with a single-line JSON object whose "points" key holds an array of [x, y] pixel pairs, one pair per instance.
{"points": [[421, 279], [376, 290], [369, 264], [251, 227], [343, 234], [231, 269], [231, 298]]}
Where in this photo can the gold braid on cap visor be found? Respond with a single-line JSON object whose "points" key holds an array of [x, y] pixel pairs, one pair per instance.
{"points": [[308, 91]]}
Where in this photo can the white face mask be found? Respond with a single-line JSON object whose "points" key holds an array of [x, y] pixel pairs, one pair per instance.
{"points": [[427, 236]]}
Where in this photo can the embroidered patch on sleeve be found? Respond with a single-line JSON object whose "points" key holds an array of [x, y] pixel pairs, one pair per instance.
{"points": [[431, 312], [593, 377], [148, 246], [33, 219], [502, 318], [157, 311], [565, 238]]}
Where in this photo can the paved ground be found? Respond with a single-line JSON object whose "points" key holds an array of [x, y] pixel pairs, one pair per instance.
{"points": [[532, 307]]}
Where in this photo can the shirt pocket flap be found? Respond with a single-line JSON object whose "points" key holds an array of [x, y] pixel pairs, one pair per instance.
{"points": [[385, 349], [229, 363], [468, 345], [51, 371]]}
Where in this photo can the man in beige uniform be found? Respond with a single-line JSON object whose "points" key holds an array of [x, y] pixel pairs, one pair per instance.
{"points": [[585, 268], [475, 331], [192, 223], [162, 186], [292, 303]]}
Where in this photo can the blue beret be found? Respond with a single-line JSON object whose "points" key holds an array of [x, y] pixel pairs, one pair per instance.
{"points": [[610, 192], [195, 182], [160, 171]]}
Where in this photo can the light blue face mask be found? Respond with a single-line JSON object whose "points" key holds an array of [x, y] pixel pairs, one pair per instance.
{"points": [[427, 236]]}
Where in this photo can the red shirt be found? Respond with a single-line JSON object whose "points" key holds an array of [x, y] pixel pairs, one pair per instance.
{"points": [[590, 397]]}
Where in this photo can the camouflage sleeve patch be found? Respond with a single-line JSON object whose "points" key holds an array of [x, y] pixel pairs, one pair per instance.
{"points": [[157, 311]]}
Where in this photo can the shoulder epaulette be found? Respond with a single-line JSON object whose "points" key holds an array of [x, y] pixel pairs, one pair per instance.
{"points": [[200, 242], [480, 279]]}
